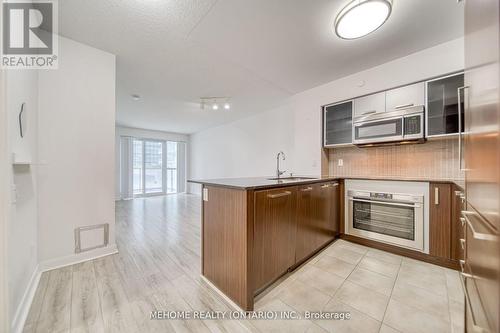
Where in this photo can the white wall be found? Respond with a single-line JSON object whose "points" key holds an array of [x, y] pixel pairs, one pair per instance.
{"points": [[145, 134], [244, 148], [69, 141], [5, 179], [247, 147], [22, 240], [76, 145]]}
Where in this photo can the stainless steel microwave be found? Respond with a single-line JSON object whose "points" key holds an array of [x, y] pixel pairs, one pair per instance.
{"points": [[404, 125]]}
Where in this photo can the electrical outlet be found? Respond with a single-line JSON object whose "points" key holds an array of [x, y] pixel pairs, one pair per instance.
{"points": [[340, 162]]}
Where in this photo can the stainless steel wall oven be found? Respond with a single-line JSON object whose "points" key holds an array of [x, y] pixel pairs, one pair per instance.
{"points": [[392, 218]]}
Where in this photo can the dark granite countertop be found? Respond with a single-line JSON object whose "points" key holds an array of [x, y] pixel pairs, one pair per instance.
{"points": [[253, 183]]}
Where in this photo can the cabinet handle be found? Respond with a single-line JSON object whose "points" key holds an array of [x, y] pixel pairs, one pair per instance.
{"points": [[458, 193], [462, 264], [307, 189], [335, 184], [460, 127], [403, 106], [462, 220], [436, 196], [462, 243], [325, 186], [475, 234], [279, 195]]}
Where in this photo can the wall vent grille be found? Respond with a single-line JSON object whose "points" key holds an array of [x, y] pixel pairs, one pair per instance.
{"points": [[91, 237]]}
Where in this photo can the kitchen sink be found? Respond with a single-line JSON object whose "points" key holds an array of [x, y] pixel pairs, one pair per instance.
{"points": [[291, 178]]}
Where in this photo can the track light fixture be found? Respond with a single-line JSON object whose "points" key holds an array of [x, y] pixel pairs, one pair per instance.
{"points": [[215, 103]]}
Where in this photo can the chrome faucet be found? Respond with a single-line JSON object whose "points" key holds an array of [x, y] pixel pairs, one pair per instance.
{"points": [[278, 172]]}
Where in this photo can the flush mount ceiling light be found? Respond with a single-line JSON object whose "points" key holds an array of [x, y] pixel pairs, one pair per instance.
{"points": [[361, 17], [136, 97], [215, 103]]}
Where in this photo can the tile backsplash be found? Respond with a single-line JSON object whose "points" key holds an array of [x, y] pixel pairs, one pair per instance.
{"points": [[435, 160]]}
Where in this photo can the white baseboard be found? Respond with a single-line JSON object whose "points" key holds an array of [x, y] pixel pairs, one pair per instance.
{"points": [[51, 264], [22, 311]]}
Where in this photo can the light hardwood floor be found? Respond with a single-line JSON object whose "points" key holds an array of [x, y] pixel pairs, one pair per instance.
{"points": [[158, 268]]}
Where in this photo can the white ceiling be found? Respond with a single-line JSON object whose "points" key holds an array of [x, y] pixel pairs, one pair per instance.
{"points": [[172, 52]]}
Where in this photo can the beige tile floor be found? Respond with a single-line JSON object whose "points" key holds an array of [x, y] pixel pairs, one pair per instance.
{"points": [[158, 269], [384, 292]]}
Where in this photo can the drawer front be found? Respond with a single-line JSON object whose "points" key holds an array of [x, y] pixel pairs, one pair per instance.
{"points": [[482, 264], [307, 220], [404, 97], [274, 233]]}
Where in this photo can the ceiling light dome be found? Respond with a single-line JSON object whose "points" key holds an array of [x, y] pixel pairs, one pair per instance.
{"points": [[361, 17]]}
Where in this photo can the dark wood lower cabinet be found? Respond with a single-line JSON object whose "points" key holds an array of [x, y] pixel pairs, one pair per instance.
{"points": [[307, 222], [253, 237], [318, 217], [327, 206], [225, 256], [336, 216], [440, 220], [274, 234], [446, 231]]}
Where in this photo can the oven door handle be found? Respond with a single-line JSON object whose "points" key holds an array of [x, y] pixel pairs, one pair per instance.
{"points": [[416, 205]]}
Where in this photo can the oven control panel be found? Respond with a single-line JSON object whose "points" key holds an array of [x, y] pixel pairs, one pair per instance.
{"points": [[376, 195]]}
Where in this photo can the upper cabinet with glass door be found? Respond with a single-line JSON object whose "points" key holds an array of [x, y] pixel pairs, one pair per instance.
{"points": [[442, 105], [337, 124]]}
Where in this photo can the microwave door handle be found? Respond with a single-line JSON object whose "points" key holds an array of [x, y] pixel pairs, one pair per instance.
{"points": [[372, 121]]}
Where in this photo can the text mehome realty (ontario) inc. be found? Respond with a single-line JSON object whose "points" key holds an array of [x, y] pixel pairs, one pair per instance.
{"points": [[252, 315]]}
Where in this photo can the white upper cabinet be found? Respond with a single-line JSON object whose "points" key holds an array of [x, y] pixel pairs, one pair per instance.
{"points": [[404, 97], [369, 104]]}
